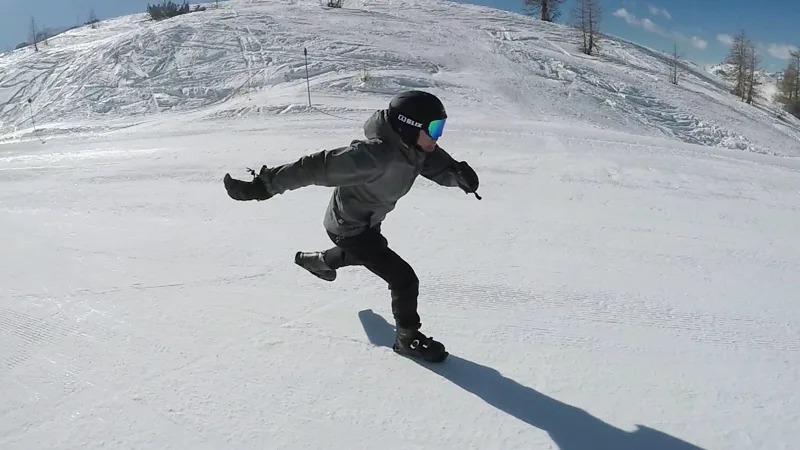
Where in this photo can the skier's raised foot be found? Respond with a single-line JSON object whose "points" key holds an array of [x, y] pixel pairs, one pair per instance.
{"points": [[314, 262], [413, 343]]}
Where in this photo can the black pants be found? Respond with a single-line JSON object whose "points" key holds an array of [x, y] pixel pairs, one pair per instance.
{"points": [[371, 250]]}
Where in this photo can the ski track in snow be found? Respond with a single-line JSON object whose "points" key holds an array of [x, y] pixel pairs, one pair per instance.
{"points": [[627, 282]]}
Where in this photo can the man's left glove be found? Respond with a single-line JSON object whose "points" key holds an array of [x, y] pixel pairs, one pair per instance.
{"points": [[467, 178], [247, 190]]}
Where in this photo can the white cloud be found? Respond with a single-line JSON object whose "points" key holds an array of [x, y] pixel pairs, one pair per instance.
{"points": [[652, 27], [726, 39], [659, 11], [630, 18], [780, 51], [648, 25], [699, 43]]}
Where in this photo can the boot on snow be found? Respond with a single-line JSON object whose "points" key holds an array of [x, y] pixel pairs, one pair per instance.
{"points": [[314, 262], [411, 342]]}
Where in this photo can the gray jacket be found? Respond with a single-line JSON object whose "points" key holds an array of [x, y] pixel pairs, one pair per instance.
{"points": [[370, 176]]}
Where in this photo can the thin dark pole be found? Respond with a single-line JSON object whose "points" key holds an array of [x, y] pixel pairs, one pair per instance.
{"points": [[308, 83], [30, 107], [35, 133]]}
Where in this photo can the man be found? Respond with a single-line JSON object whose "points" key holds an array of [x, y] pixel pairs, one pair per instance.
{"points": [[369, 177]]}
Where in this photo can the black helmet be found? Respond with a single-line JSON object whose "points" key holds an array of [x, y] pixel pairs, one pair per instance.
{"points": [[412, 111]]}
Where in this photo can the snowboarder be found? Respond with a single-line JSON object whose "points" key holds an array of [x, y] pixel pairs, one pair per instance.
{"points": [[369, 177]]}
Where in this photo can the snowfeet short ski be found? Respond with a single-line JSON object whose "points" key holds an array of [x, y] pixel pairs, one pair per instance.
{"points": [[414, 344], [314, 262]]}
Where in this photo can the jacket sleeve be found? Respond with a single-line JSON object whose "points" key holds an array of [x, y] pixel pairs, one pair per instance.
{"points": [[440, 168], [357, 163]]}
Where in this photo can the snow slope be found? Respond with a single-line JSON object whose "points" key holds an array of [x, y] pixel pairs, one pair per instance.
{"points": [[247, 58], [618, 287]]}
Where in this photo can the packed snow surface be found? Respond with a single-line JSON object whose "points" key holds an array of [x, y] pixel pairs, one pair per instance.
{"points": [[629, 280]]}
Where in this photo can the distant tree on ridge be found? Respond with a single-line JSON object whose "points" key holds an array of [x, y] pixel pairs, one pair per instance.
{"points": [[547, 10], [587, 15], [34, 35], [743, 62], [674, 66]]}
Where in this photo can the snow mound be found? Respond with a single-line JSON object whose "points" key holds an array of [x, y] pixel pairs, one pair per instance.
{"points": [[247, 59]]}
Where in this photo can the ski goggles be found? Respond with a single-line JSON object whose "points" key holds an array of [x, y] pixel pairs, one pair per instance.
{"points": [[436, 128]]}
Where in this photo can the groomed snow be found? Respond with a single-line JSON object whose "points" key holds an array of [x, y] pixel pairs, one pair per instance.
{"points": [[629, 280]]}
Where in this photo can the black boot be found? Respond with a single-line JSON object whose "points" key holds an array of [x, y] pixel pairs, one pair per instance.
{"points": [[314, 262], [411, 342]]}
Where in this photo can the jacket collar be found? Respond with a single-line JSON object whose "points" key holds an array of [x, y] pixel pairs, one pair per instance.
{"points": [[377, 126]]}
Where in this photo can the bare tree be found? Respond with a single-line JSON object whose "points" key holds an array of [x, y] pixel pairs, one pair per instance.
{"points": [[737, 62], [752, 81], [743, 62], [674, 64], [586, 16], [794, 84], [92, 22], [788, 93], [794, 63], [35, 36], [547, 10]]}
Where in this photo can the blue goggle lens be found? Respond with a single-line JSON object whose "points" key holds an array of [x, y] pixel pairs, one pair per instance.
{"points": [[436, 128]]}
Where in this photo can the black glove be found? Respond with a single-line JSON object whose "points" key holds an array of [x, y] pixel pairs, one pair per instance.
{"points": [[246, 190], [466, 178]]}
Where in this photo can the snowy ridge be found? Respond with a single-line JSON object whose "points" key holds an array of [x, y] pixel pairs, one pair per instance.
{"points": [[247, 58]]}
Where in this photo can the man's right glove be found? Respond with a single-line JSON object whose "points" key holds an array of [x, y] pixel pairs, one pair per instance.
{"points": [[246, 190], [467, 179]]}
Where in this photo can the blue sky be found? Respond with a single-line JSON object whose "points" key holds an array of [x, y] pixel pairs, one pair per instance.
{"points": [[699, 27], [16, 17]]}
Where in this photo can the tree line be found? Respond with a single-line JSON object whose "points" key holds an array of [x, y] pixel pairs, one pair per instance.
{"points": [[167, 9]]}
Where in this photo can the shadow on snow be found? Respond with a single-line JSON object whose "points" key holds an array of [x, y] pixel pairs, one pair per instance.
{"points": [[570, 428]]}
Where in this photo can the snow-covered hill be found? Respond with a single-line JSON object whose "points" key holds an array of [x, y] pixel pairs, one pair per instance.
{"points": [[247, 58], [629, 280]]}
